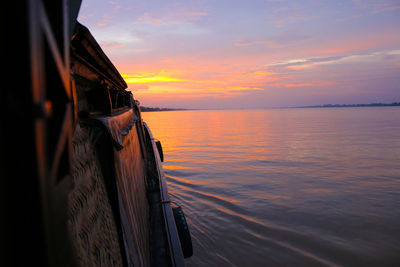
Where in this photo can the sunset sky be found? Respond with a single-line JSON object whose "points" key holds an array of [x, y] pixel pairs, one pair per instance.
{"points": [[251, 54]]}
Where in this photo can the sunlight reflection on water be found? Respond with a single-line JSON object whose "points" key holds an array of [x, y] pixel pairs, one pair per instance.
{"points": [[286, 187]]}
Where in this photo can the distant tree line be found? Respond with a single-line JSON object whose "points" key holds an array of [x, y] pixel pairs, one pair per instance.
{"points": [[354, 105], [146, 109]]}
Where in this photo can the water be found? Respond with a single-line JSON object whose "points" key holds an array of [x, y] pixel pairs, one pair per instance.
{"points": [[286, 187]]}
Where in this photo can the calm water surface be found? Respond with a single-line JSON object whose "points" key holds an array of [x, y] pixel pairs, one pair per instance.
{"points": [[286, 187]]}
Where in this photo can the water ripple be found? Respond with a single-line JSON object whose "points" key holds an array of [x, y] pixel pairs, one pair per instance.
{"points": [[286, 187]]}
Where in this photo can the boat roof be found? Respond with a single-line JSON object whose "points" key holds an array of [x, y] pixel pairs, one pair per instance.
{"points": [[86, 49]]}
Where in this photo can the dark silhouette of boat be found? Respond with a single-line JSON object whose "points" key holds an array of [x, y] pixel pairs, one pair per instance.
{"points": [[83, 183]]}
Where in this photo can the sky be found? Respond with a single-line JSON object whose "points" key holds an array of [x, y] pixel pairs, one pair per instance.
{"points": [[251, 53]]}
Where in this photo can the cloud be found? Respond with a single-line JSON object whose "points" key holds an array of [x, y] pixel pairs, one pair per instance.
{"points": [[377, 6], [299, 64], [234, 88], [149, 78], [195, 82], [258, 74], [282, 21], [291, 84], [291, 12], [254, 42], [305, 61], [282, 39], [139, 87], [115, 5], [168, 17], [105, 20], [111, 44], [147, 18]]}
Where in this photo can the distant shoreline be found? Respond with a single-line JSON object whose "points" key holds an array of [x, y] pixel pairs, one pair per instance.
{"points": [[352, 105], [151, 109], [395, 104]]}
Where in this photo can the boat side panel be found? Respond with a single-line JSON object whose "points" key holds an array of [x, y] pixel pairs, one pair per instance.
{"points": [[131, 181], [171, 230]]}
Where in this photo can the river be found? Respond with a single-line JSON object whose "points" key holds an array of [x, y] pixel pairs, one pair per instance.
{"points": [[286, 187]]}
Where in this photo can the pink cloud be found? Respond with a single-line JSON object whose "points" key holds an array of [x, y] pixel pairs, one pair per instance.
{"points": [[111, 45], [105, 20]]}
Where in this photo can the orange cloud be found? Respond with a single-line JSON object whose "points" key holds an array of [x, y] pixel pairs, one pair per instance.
{"points": [[291, 84], [187, 78], [261, 73], [296, 67], [148, 78], [236, 88]]}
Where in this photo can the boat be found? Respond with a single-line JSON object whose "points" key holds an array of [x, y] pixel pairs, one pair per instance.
{"points": [[90, 188]]}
